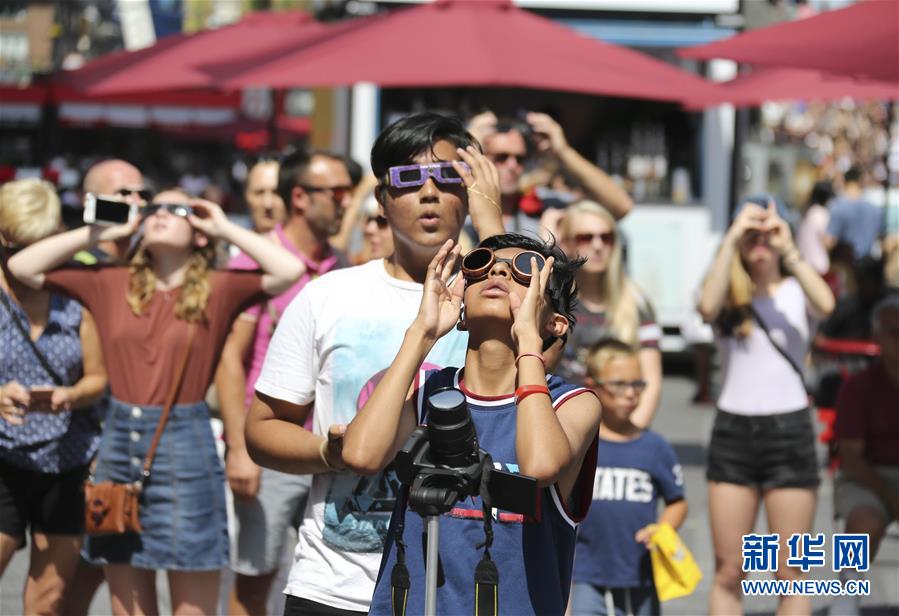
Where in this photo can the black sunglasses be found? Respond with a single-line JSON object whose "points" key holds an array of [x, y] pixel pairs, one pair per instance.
{"points": [[339, 193], [143, 193], [381, 221]]}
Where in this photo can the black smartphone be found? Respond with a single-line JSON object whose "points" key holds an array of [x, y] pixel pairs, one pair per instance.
{"points": [[106, 210]]}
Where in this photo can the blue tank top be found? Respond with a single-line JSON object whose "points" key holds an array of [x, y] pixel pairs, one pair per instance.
{"points": [[534, 556]]}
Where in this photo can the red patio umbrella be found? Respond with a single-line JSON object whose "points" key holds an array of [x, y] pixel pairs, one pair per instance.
{"points": [[171, 63], [774, 84], [861, 40], [451, 43]]}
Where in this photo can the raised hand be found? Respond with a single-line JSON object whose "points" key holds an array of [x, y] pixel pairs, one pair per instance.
{"points": [[548, 134], [526, 312], [208, 217], [482, 182], [780, 238], [440, 301], [112, 233], [751, 218]]}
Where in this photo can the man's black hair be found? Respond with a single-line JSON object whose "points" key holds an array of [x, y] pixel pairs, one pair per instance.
{"points": [[293, 169], [562, 287], [408, 137], [853, 175]]}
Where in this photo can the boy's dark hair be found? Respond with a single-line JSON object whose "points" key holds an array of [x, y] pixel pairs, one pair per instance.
{"points": [[293, 169], [408, 137], [562, 288]]}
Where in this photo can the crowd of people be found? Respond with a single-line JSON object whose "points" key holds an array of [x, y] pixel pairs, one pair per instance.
{"points": [[288, 364]]}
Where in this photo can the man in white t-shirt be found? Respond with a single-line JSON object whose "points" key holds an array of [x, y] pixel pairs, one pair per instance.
{"points": [[336, 339]]}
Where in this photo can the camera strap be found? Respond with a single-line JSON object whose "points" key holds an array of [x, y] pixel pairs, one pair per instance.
{"points": [[486, 575], [399, 575]]}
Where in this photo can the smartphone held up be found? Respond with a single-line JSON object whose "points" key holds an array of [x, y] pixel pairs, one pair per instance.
{"points": [[107, 210]]}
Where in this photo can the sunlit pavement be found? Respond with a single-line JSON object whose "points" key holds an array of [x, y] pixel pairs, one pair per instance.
{"points": [[687, 427]]}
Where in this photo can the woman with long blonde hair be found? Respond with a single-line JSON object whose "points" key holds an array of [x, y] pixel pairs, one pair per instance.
{"points": [[611, 306], [145, 313], [763, 299]]}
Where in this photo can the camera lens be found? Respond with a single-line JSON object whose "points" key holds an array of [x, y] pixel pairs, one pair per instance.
{"points": [[451, 431]]}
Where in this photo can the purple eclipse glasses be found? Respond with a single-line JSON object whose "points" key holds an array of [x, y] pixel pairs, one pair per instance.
{"points": [[406, 176]]}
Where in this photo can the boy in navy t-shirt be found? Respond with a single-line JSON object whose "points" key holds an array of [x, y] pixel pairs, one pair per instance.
{"points": [[613, 571]]}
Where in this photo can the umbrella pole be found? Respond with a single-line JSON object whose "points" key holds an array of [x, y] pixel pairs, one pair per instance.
{"points": [[741, 127]]}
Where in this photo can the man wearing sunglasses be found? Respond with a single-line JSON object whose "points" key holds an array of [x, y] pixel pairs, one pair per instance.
{"points": [[316, 186], [336, 339], [121, 180], [506, 145]]}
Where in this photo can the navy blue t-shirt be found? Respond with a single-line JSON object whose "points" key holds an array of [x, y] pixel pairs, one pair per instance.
{"points": [[533, 556], [630, 478]]}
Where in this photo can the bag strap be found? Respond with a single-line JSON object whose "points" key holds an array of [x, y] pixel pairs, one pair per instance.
{"points": [[169, 402], [777, 347], [25, 334]]}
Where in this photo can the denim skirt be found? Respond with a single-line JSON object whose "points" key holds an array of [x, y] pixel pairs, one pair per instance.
{"points": [[182, 505]]}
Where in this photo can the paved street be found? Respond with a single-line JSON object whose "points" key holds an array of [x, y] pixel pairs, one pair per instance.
{"points": [[688, 428]]}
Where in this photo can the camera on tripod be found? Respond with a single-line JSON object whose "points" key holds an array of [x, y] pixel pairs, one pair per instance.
{"points": [[442, 463]]}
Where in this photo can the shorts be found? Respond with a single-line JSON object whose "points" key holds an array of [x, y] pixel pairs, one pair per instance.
{"points": [[182, 505], [592, 600], [295, 606], [261, 524], [765, 451], [48, 503], [848, 495]]}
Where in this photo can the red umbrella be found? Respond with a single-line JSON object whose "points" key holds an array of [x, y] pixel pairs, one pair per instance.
{"points": [[171, 63], [861, 40], [775, 84], [452, 43]]}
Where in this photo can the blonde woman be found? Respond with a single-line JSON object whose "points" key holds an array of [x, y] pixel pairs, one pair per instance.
{"points": [[611, 306], [45, 445], [763, 299], [144, 311]]}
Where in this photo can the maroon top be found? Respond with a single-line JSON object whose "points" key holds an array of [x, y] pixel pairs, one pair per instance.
{"points": [[141, 352], [868, 409]]}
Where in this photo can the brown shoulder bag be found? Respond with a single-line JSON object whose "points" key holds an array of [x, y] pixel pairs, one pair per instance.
{"points": [[112, 508]]}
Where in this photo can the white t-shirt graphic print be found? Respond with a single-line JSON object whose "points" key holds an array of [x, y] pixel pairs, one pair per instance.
{"points": [[332, 343]]}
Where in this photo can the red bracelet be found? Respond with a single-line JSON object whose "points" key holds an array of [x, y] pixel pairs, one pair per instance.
{"points": [[526, 390], [537, 355]]}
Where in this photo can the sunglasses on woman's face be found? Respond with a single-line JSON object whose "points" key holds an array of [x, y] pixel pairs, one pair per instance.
{"points": [[477, 264], [407, 176], [381, 221], [583, 239], [176, 209]]}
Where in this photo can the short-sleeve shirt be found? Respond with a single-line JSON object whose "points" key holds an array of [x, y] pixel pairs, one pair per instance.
{"points": [[533, 555], [594, 326], [142, 352], [46, 442], [868, 409], [631, 477], [267, 315], [856, 222], [332, 345]]}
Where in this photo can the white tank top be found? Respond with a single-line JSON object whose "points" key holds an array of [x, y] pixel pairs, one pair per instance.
{"points": [[758, 380]]}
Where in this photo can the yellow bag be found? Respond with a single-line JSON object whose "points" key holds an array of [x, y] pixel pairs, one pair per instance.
{"points": [[674, 570]]}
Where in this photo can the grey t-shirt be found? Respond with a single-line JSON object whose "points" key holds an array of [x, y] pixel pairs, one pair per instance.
{"points": [[856, 222]]}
